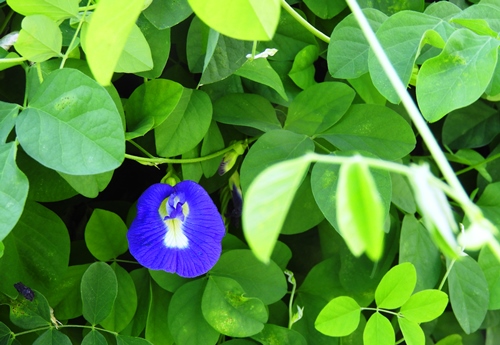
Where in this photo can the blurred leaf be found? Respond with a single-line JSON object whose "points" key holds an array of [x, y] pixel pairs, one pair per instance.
{"points": [[469, 295], [225, 300], [54, 9], [267, 202], [5, 334], [185, 317], [167, 13], [99, 289], [72, 125], [136, 54], [276, 335], [396, 286], [489, 265], [326, 9], [252, 20], [126, 340], [339, 318]]}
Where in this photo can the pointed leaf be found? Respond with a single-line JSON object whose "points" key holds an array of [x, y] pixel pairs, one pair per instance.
{"points": [[54, 9], [339, 318], [53, 337], [94, 338], [425, 306], [136, 54], [105, 235], [396, 286]]}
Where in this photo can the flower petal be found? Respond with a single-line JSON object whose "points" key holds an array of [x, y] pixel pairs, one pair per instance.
{"points": [[202, 225]]}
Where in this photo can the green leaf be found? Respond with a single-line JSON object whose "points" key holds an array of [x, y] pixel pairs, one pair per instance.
{"points": [[94, 338], [400, 36], [186, 126], [227, 309], [141, 280], [150, 104], [54, 337], [36, 251], [267, 202], [107, 34], [136, 54], [360, 211], [378, 331], [469, 296], [5, 334], [260, 71], [396, 286], [325, 9], [159, 43], [54, 9], [402, 195], [168, 281], [470, 127], [272, 147], [383, 132], [339, 318], [224, 57], [489, 265], [303, 70], [318, 108], [126, 340], [157, 330], [212, 142], [246, 109], [13, 189], [412, 332], [185, 317], [276, 335], [363, 85], [67, 301], [30, 314], [264, 281], [39, 39], [72, 125], [425, 306], [252, 20], [416, 246], [453, 339], [125, 303], [88, 185], [394, 6], [469, 61], [167, 13], [324, 183], [99, 289], [8, 114]]}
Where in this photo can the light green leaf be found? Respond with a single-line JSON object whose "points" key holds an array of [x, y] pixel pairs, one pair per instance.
{"points": [[99, 289], [363, 85], [339, 318], [157, 330], [303, 70], [425, 306], [469, 295], [186, 126], [489, 264], [412, 332], [54, 337], [107, 35], [260, 71], [416, 246], [453, 339], [396, 286], [267, 202], [318, 108], [125, 304], [39, 39], [264, 281], [106, 235], [185, 317], [94, 338], [54, 9], [360, 211], [372, 128], [72, 125], [136, 54], [167, 13], [150, 104], [378, 331], [8, 114], [246, 109], [227, 308], [13, 189], [36, 251], [88, 185], [458, 76], [252, 20]]}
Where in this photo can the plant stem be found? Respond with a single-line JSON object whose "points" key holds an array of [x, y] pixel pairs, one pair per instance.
{"points": [[6, 20], [10, 60], [473, 166], [470, 208], [382, 311], [70, 47], [304, 22]]}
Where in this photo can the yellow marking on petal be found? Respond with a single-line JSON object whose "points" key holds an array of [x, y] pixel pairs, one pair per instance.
{"points": [[175, 238]]}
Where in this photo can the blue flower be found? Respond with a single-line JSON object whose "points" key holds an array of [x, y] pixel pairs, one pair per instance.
{"points": [[178, 229]]}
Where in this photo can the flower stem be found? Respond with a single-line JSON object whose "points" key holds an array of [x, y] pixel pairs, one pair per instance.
{"points": [[304, 22]]}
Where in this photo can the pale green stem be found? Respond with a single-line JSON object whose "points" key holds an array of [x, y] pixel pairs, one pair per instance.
{"points": [[70, 47], [473, 166], [304, 22], [447, 273], [469, 207], [140, 148], [381, 311], [11, 60]]}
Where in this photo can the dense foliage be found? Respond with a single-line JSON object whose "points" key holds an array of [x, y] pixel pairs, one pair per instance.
{"points": [[345, 222]]}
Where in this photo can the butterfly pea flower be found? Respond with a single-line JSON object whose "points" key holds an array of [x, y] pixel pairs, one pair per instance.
{"points": [[177, 229]]}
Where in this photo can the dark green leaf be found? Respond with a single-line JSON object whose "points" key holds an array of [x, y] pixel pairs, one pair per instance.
{"points": [[8, 114], [94, 338], [276, 335], [167, 13], [30, 314], [168, 281], [303, 70], [489, 264], [126, 340], [325, 9], [54, 337], [157, 331]]}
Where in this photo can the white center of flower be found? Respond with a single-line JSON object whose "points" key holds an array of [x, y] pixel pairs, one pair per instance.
{"points": [[175, 238]]}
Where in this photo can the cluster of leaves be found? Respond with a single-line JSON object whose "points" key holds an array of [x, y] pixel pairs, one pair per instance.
{"points": [[328, 181]]}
